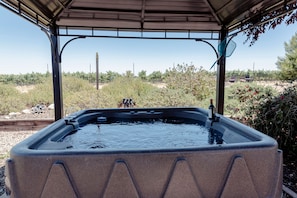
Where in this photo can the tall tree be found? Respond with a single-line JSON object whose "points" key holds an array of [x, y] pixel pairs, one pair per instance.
{"points": [[288, 64]]}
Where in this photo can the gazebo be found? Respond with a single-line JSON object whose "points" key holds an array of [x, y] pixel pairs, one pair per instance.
{"points": [[199, 20]]}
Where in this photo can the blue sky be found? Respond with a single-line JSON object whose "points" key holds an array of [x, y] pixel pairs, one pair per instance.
{"points": [[24, 48]]}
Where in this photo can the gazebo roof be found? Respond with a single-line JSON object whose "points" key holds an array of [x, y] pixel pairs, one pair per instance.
{"points": [[145, 15]]}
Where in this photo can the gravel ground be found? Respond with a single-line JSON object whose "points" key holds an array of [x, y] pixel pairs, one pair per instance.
{"points": [[10, 138], [7, 141]]}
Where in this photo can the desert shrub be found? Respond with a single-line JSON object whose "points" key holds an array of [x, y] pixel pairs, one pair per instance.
{"points": [[11, 100], [74, 84], [168, 98], [276, 116], [73, 88], [127, 87], [79, 94], [41, 94], [88, 99]]}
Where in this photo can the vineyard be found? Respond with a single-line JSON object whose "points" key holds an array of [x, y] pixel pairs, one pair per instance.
{"points": [[154, 77]]}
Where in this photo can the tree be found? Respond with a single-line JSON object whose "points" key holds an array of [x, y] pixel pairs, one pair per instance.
{"points": [[142, 75], [110, 76], [263, 21], [288, 64], [156, 76], [129, 74], [192, 80]]}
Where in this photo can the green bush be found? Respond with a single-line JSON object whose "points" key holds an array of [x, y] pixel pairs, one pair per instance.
{"points": [[276, 116], [127, 87], [273, 114], [244, 96], [248, 91]]}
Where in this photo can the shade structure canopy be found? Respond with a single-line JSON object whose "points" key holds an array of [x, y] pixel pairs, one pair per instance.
{"points": [[105, 18], [145, 15]]}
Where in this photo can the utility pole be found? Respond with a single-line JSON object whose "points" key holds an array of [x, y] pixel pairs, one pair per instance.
{"points": [[90, 74], [97, 71], [133, 70]]}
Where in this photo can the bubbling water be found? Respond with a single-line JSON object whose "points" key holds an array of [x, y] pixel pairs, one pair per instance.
{"points": [[138, 136]]}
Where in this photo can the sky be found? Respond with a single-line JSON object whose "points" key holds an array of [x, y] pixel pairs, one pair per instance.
{"points": [[24, 48]]}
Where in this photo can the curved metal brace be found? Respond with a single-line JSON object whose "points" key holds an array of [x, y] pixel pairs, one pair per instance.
{"points": [[47, 33], [214, 49], [60, 54]]}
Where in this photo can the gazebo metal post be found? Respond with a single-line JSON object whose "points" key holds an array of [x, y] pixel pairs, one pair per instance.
{"points": [[220, 92], [56, 72], [56, 68]]}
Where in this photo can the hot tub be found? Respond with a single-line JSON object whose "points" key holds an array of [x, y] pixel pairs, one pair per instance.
{"points": [[138, 152]]}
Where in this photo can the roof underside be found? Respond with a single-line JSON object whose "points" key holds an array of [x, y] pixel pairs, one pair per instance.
{"points": [[144, 15]]}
